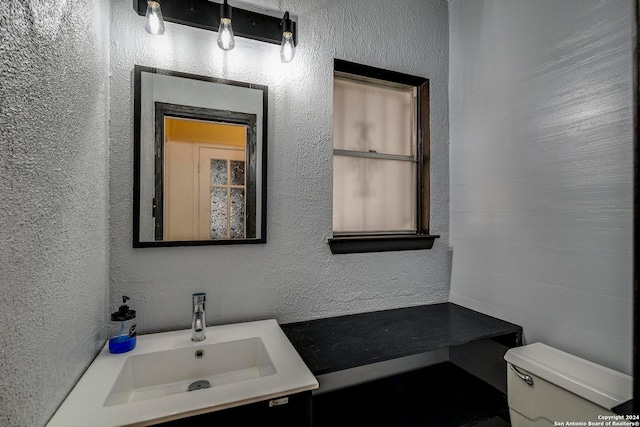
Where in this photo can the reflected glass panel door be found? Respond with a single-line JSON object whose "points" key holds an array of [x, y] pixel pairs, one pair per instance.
{"points": [[205, 180]]}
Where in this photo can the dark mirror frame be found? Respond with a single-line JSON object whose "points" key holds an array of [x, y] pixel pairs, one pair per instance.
{"points": [[229, 117]]}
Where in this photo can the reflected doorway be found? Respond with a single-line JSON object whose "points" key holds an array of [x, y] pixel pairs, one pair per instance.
{"points": [[204, 188]]}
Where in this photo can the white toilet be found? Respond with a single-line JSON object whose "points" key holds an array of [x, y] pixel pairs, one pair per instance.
{"points": [[547, 386]]}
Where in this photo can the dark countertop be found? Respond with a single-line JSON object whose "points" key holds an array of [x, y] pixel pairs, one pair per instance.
{"points": [[343, 342], [625, 408]]}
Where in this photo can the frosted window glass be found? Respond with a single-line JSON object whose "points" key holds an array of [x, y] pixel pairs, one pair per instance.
{"points": [[227, 203], [372, 195], [369, 117], [237, 172], [218, 213], [218, 171], [237, 213]]}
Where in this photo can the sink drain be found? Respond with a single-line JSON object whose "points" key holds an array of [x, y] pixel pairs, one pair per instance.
{"points": [[197, 385]]}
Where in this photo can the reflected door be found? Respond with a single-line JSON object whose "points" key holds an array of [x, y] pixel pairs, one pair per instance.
{"points": [[205, 188]]}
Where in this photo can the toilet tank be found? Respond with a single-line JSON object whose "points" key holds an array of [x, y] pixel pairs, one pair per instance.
{"points": [[564, 388]]}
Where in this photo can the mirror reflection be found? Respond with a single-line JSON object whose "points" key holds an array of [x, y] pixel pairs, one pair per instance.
{"points": [[200, 160]]}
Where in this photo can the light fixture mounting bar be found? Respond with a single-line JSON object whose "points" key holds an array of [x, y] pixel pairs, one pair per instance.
{"points": [[205, 14]]}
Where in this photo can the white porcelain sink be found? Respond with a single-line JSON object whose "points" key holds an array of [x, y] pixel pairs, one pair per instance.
{"points": [[241, 363], [163, 373]]}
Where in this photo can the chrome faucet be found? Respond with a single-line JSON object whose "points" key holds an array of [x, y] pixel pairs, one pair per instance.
{"points": [[198, 323]]}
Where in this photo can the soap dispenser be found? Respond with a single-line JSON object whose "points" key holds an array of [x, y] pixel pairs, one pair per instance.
{"points": [[122, 330]]}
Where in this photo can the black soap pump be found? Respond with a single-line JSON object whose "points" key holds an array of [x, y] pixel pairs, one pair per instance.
{"points": [[122, 329]]}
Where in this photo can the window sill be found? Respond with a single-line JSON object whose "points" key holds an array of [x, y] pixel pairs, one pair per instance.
{"points": [[362, 244]]}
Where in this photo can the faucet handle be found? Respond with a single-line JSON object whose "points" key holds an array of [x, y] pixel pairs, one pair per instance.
{"points": [[199, 297]]}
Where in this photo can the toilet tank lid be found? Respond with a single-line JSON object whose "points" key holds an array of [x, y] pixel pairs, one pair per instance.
{"points": [[596, 383]]}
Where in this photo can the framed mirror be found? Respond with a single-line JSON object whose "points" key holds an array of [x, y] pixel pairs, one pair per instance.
{"points": [[200, 157]]}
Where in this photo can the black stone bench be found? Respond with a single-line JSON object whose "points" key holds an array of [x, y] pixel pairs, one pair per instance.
{"points": [[336, 343], [470, 386]]}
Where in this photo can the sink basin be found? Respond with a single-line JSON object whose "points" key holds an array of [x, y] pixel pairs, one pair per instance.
{"points": [[153, 375], [167, 376]]}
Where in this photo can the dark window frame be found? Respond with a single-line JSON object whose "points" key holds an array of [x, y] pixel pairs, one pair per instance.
{"points": [[382, 242]]}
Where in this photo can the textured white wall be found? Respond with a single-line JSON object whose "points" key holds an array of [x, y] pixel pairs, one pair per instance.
{"points": [[294, 276], [53, 201], [541, 169]]}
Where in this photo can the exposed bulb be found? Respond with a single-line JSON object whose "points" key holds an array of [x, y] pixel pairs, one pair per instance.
{"points": [[288, 47], [225, 35], [154, 22]]}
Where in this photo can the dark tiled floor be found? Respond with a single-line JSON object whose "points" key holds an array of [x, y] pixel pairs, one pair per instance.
{"points": [[441, 395], [493, 422]]}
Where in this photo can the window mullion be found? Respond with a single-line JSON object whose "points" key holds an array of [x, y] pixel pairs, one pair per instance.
{"points": [[373, 155]]}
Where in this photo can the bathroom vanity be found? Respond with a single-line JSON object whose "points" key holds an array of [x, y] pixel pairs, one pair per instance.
{"points": [[247, 371], [264, 372], [288, 411]]}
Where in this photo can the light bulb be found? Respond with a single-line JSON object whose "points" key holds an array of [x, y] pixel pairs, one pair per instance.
{"points": [[154, 23], [225, 35], [287, 48], [288, 45]]}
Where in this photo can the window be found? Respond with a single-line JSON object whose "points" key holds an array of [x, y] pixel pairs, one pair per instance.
{"points": [[380, 160]]}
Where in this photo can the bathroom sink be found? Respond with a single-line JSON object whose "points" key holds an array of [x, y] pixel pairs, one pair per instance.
{"points": [[167, 376], [163, 373]]}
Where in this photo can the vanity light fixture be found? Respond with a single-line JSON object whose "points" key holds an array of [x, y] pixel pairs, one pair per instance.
{"points": [[154, 24], [209, 15], [225, 30]]}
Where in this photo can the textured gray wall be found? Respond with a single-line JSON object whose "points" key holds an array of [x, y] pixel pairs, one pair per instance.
{"points": [[294, 276], [53, 201], [541, 169]]}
